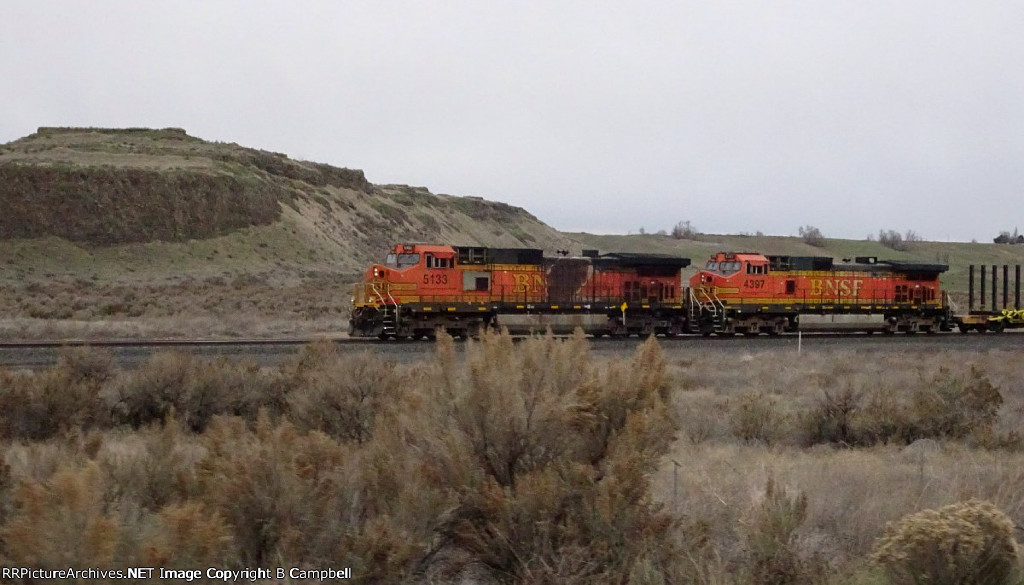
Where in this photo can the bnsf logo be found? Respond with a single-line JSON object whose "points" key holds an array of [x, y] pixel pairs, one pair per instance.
{"points": [[847, 287], [528, 283]]}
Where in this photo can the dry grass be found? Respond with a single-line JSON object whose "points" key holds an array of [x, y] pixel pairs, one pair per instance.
{"points": [[215, 307], [495, 462]]}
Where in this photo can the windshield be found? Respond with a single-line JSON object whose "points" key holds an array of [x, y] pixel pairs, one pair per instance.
{"points": [[406, 260], [392, 260], [724, 268], [728, 268]]}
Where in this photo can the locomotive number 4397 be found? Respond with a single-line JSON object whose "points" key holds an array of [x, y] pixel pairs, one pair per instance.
{"points": [[750, 283]]}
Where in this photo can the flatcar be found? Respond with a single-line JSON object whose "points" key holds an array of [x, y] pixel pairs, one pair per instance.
{"points": [[753, 293], [420, 288]]}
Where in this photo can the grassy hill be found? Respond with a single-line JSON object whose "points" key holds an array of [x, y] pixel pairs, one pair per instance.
{"points": [[108, 228], [113, 187]]}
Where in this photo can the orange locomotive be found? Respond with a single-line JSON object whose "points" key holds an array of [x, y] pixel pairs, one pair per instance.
{"points": [[422, 287], [752, 293]]}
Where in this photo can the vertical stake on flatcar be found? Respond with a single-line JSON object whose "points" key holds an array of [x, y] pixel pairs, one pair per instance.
{"points": [[1016, 287], [1006, 284], [995, 285], [981, 297], [970, 289]]}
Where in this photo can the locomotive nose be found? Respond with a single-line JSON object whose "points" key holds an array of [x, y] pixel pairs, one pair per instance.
{"points": [[705, 277]]}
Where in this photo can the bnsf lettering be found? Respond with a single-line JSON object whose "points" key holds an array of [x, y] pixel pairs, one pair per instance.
{"points": [[846, 287], [528, 282]]}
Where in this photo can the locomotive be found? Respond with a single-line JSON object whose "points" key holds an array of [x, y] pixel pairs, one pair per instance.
{"points": [[753, 293], [420, 288]]}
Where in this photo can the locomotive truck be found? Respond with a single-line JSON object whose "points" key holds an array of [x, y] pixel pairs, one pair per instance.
{"points": [[420, 288]]}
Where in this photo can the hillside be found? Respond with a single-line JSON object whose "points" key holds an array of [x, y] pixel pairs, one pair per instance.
{"points": [[155, 232], [101, 187]]}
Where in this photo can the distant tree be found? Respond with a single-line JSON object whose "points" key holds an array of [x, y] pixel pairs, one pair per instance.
{"points": [[685, 230], [811, 235], [892, 239], [643, 231], [912, 236]]}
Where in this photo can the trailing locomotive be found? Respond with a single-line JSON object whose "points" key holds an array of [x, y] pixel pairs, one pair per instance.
{"points": [[420, 288], [754, 293]]}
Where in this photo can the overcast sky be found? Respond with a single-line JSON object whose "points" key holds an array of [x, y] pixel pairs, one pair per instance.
{"points": [[599, 116]]}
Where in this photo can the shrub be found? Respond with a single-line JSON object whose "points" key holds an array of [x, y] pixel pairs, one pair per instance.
{"points": [[549, 457], [65, 397], [194, 390], [281, 493], [832, 419], [342, 397], [186, 536], [967, 543], [945, 406], [61, 522], [893, 239], [756, 418], [811, 236], [773, 556], [685, 230]]}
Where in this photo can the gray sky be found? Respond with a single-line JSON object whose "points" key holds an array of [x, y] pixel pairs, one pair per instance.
{"points": [[599, 116]]}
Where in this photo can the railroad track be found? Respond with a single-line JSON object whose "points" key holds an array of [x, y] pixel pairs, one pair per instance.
{"points": [[131, 352]]}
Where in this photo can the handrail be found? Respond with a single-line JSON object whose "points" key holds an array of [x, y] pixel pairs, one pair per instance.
{"points": [[395, 303]]}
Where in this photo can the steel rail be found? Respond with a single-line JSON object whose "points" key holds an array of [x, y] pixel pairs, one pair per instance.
{"points": [[59, 343]]}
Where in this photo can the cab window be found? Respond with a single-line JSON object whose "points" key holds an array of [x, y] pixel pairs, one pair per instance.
{"points": [[712, 266], [433, 262], [407, 260], [727, 268]]}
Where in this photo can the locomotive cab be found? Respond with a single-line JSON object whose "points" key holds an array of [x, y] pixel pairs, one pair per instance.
{"points": [[726, 268], [411, 271]]}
